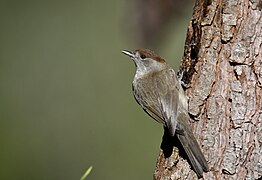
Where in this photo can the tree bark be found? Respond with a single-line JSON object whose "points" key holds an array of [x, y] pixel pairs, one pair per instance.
{"points": [[222, 65]]}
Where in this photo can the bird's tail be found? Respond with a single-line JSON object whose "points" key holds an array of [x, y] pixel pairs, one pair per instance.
{"points": [[192, 149]]}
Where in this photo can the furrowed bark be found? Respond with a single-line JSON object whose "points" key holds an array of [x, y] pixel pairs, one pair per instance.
{"points": [[222, 66]]}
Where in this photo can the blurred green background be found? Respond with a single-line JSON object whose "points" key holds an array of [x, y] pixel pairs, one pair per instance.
{"points": [[65, 91]]}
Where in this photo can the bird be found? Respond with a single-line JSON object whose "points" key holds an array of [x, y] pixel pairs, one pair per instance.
{"points": [[159, 92]]}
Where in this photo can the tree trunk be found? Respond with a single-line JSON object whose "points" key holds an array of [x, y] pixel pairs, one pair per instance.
{"points": [[222, 65]]}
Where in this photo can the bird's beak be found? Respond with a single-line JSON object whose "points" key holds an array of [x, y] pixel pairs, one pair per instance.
{"points": [[129, 53]]}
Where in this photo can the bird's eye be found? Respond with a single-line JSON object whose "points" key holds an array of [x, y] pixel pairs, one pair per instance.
{"points": [[143, 56]]}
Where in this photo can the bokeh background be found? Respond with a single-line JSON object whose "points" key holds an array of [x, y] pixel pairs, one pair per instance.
{"points": [[65, 88]]}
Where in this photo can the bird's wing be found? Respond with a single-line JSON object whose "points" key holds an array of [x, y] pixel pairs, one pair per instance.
{"points": [[160, 99], [154, 114], [168, 104], [147, 102]]}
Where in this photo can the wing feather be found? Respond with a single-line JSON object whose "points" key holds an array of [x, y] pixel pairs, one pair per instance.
{"points": [[159, 99]]}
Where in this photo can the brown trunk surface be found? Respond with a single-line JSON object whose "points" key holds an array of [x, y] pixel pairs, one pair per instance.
{"points": [[222, 65]]}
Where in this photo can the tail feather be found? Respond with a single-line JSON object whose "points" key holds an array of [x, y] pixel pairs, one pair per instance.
{"points": [[190, 145], [194, 153]]}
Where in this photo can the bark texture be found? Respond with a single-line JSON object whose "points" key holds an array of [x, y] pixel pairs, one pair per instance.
{"points": [[222, 65]]}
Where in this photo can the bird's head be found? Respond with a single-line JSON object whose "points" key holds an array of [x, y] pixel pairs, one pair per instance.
{"points": [[146, 61]]}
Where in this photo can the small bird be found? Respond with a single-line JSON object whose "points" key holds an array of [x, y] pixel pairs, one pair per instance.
{"points": [[157, 90]]}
